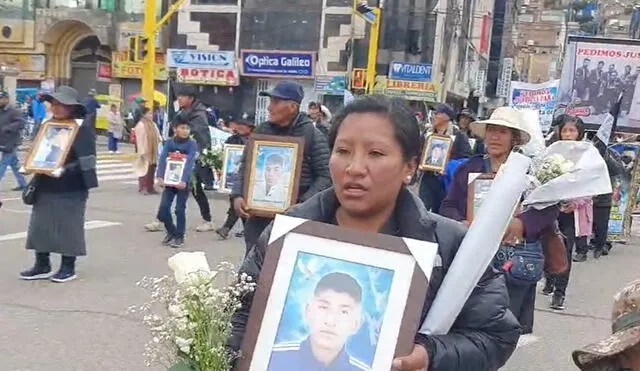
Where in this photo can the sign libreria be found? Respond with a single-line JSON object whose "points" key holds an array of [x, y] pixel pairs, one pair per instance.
{"points": [[280, 64]]}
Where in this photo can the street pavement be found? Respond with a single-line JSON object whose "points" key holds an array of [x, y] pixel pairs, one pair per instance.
{"points": [[83, 325]]}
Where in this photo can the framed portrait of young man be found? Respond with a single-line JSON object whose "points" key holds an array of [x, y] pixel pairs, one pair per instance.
{"points": [[479, 186], [328, 295], [231, 158], [436, 153], [51, 146], [176, 164], [272, 173]]}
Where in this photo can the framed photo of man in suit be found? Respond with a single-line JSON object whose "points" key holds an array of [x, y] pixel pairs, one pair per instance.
{"points": [[51, 147], [436, 153]]}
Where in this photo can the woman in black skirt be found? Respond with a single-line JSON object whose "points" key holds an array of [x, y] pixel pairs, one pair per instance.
{"points": [[58, 214]]}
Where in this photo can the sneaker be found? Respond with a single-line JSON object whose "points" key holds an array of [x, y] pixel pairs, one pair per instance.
{"points": [[223, 232], [579, 258], [557, 302], [547, 290], [167, 240], [240, 234], [36, 273], [112, 152], [177, 243], [154, 226], [597, 253], [205, 227], [64, 276]]}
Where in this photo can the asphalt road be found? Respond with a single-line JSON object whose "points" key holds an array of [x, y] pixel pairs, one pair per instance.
{"points": [[83, 325]]}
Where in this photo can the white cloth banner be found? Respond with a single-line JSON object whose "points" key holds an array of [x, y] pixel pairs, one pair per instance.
{"points": [[540, 97]]}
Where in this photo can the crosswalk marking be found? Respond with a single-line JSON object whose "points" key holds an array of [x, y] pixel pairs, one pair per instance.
{"points": [[115, 170], [88, 225]]}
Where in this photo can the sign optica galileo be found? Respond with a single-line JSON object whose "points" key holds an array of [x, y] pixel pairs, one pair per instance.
{"points": [[280, 64]]}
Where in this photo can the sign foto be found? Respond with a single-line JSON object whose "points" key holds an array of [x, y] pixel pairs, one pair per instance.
{"points": [[208, 76], [283, 64]]}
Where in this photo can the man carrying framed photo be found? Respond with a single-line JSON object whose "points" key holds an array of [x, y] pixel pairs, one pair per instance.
{"points": [[286, 119]]}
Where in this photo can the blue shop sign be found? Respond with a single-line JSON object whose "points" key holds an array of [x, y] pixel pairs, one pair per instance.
{"points": [[330, 85], [282, 64], [188, 58], [410, 71]]}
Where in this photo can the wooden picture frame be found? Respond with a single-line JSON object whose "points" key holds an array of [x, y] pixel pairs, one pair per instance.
{"points": [[283, 282], [51, 146], [230, 169], [438, 164], [264, 199], [477, 189]]}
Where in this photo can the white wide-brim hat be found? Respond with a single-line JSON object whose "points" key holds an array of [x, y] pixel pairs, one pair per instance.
{"points": [[503, 116]]}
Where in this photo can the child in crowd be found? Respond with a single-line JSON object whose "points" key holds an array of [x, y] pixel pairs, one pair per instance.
{"points": [[180, 146], [241, 129]]}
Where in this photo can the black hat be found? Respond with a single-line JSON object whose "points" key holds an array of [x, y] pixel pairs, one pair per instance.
{"points": [[468, 113], [68, 96], [286, 90], [244, 119], [187, 91]]}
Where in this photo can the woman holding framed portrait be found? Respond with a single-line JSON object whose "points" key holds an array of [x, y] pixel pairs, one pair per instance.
{"points": [[503, 133], [66, 188], [376, 146]]}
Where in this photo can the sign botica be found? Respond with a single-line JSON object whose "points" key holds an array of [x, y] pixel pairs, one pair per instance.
{"points": [[204, 67]]}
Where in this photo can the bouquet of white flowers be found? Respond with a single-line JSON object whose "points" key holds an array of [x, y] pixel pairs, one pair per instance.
{"points": [[552, 167], [212, 158], [189, 315]]}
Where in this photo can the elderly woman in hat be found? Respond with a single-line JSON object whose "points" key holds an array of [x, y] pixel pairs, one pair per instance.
{"points": [[49, 230], [621, 350], [503, 133], [432, 190]]}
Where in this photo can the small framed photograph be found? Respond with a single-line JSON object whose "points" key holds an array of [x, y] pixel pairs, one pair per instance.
{"points": [[272, 173], [479, 186], [436, 153], [51, 146], [331, 295], [174, 170], [231, 157]]}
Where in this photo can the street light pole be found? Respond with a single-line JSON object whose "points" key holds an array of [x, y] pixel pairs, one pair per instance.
{"points": [[372, 59], [148, 80]]}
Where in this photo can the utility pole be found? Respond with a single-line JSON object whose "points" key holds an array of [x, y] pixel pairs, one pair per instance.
{"points": [[145, 46]]}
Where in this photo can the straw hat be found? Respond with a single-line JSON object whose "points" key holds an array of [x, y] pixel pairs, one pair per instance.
{"points": [[503, 116], [625, 325]]}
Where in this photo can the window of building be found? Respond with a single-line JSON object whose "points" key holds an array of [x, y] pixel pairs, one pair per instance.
{"points": [[215, 2]]}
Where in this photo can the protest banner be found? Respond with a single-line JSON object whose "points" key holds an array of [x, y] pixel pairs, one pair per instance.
{"points": [[595, 72], [540, 97], [625, 189]]}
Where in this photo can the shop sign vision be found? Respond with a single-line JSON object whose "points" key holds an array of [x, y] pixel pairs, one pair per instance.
{"points": [[208, 76], [280, 64], [189, 58], [123, 69], [410, 71], [330, 85]]}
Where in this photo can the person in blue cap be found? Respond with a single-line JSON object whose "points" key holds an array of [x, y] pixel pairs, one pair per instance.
{"points": [[333, 315], [286, 120], [432, 190]]}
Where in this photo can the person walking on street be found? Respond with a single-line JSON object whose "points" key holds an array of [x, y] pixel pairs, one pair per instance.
{"points": [[194, 112], [432, 190], [186, 147], [92, 105], [39, 114], [148, 139], [60, 200], [321, 117], [116, 127], [285, 119], [11, 124], [242, 129]]}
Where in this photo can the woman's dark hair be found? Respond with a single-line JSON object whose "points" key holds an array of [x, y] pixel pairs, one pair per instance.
{"points": [[577, 121], [314, 105], [405, 124], [144, 110]]}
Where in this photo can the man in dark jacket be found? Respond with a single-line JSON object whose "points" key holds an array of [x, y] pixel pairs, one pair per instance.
{"points": [[195, 113], [92, 105], [11, 123], [285, 119], [484, 335]]}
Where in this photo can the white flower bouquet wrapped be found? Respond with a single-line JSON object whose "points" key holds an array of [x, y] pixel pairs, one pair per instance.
{"points": [[212, 158], [189, 316]]}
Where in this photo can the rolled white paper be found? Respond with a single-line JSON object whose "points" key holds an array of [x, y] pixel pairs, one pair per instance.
{"points": [[479, 245]]}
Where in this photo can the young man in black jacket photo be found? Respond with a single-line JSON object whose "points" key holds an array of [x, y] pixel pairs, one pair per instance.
{"points": [[286, 119]]}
